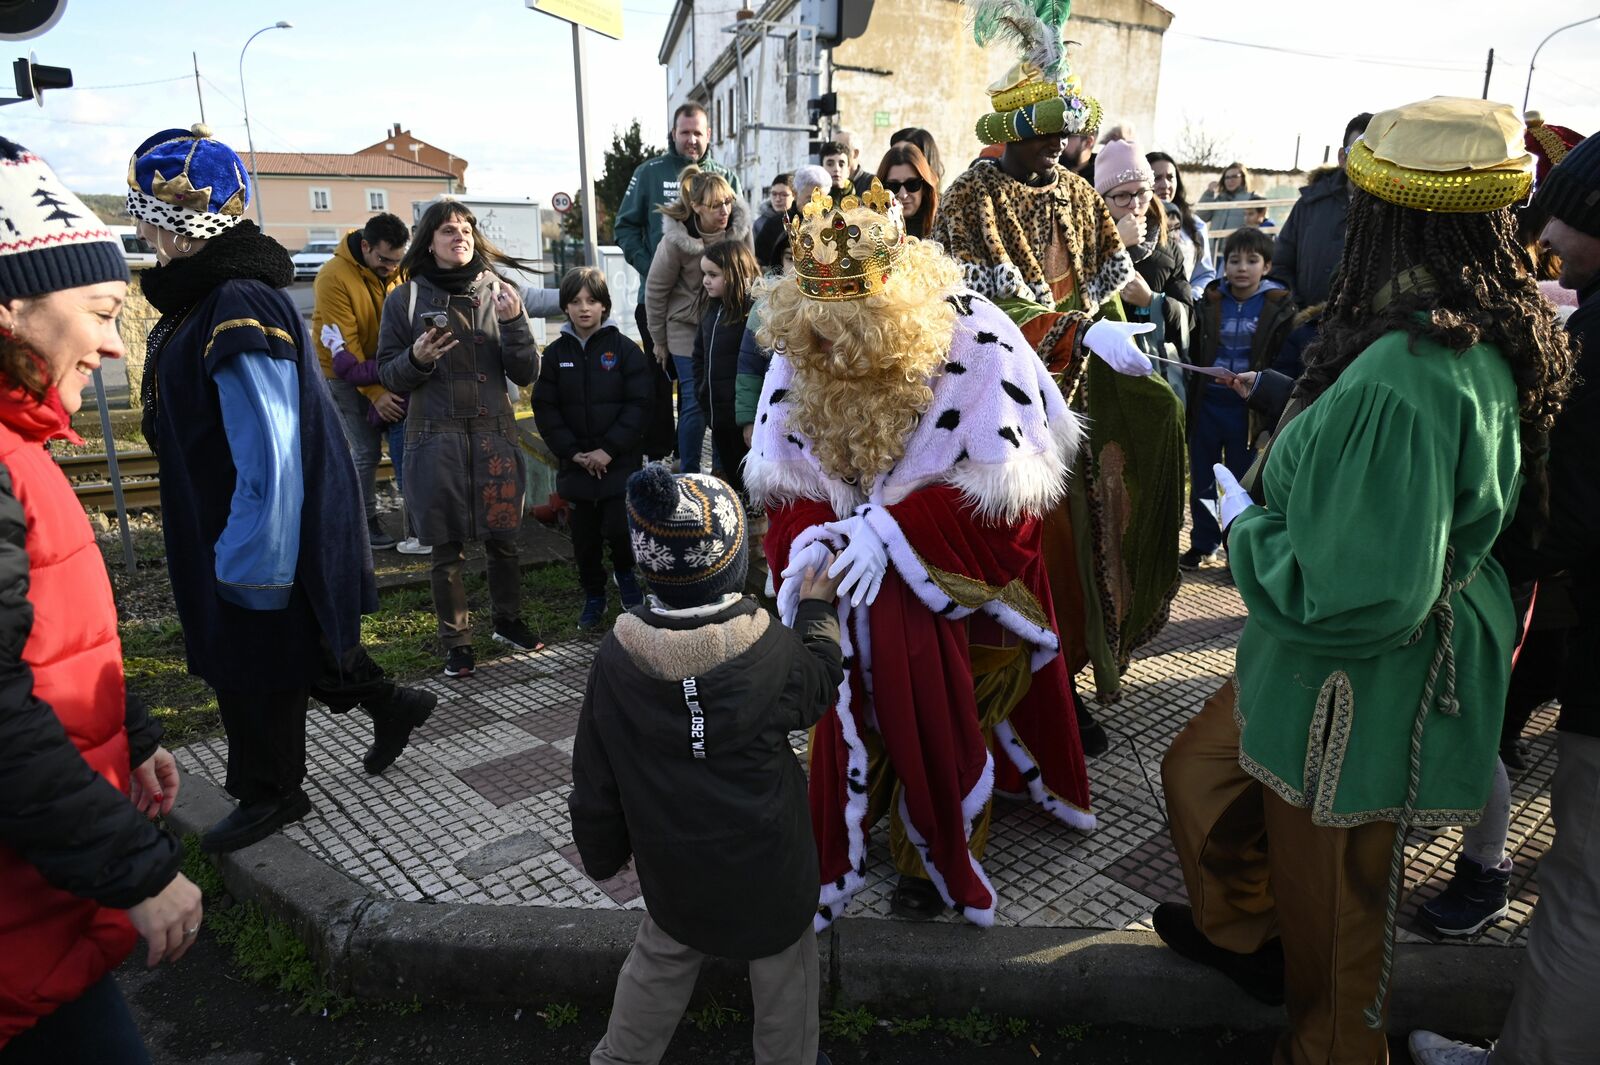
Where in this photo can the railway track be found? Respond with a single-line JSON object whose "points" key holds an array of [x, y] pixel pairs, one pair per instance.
{"points": [[141, 484]]}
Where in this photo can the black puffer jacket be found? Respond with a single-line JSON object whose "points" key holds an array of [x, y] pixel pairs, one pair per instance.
{"points": [[594, 395], [717, 823], [716, 361], [1570, 540], [1311, 242]]}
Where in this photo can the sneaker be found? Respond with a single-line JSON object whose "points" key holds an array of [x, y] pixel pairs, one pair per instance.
{"points": [[380, 540], [516, 635], [1430, 1049], [628, 589], [1474, 899], [1194, 558], [412, 546], [458, 662], [594, 611], [1259, 974]]}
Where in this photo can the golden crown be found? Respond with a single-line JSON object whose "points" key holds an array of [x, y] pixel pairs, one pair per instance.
{"points": [[846, 252]]}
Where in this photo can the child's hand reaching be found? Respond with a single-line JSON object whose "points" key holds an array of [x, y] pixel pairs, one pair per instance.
{"points": [[815, 582]]}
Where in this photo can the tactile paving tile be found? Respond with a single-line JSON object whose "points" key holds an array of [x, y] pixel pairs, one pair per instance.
{"points": [[517, 776]]}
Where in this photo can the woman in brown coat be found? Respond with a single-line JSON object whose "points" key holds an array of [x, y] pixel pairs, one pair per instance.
{"points": [[451, 337]]}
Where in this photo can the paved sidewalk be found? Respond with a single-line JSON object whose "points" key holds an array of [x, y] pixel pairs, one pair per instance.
{"points": [[476, 810]]}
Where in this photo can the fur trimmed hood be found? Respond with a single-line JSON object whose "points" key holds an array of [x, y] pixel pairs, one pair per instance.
{"points": [[683, 242], [998, 429]]}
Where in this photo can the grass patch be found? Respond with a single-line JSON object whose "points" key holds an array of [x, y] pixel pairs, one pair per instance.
{"points": [[850, 1025], [713, 1016], [157, 671], [557, 1015]]}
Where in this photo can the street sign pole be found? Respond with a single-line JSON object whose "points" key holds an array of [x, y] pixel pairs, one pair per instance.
{"points": [[591, 250]]}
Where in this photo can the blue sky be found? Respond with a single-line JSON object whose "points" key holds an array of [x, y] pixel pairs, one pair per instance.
{"points": [[492, 81]]}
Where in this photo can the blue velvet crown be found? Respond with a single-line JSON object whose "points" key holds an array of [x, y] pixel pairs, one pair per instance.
{"points": [[185, 181]]}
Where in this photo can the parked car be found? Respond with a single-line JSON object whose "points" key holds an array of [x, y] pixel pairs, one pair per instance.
{"points": [[135, 250], [309, 259]]}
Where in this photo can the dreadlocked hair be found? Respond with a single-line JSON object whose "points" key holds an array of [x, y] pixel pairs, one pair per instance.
{"points": [[1483, 293]]}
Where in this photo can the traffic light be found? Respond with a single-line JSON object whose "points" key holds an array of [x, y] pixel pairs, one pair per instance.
{"points": [[33, 79], [21, 19]]}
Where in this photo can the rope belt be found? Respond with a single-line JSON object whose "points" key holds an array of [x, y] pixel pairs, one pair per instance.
{"points": [[1433, 693]]}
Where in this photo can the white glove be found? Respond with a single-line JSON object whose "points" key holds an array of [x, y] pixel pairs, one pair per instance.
{"points": [[1113, 342], [810, 557], [863, 561], [332, 339], [1235, 500]]}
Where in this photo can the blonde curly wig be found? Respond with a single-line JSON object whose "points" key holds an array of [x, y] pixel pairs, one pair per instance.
{"points": [[858, 400]]}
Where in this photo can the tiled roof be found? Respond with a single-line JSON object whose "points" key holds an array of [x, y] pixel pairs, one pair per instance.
{"points": [[333, 164]]}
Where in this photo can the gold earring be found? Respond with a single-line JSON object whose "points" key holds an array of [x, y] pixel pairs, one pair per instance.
{"points": [[184, 245]]}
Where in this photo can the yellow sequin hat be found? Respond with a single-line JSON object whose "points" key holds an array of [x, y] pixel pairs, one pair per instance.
{"points": [[846, 252], [1447, 154]]}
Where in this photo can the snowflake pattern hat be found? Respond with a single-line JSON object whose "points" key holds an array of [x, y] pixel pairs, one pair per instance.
{"points": [[688, 534], [183, 181], [48, 239]]}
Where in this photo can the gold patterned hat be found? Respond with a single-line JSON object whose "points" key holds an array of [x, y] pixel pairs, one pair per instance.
{"points": [[1448, 154], [848, 251], [1039, 95]]}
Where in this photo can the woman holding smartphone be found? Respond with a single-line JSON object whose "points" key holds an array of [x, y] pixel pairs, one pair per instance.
{"points": [[451, 337]]}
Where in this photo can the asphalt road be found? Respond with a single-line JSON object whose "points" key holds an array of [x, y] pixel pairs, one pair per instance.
{"points": [[202, 1011]]}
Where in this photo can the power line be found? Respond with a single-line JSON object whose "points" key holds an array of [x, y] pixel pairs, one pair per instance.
{"points": [[1377, 60], [132, 84]]}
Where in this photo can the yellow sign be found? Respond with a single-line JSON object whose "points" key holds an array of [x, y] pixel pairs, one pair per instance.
{"points": [[602, 16]]}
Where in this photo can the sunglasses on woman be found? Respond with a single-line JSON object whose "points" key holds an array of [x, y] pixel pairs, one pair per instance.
{"points": [[911, 185]]}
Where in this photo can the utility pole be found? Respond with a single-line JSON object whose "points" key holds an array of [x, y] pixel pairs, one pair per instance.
{"points": [[580, 77], [1488, 70], [197, 94], [1297, 151]]}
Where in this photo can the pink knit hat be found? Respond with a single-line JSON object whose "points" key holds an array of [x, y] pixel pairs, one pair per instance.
{"points": [[1120, 161]]}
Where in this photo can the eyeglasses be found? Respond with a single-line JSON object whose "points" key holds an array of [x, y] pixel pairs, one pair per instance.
{"points": [[912, 185], [386, 261], [1125, 199]]}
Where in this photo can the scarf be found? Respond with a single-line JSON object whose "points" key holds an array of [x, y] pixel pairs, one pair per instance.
{"points": [[239, 253], [455, 280]]}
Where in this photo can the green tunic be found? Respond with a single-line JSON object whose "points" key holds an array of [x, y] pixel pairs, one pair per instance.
{"points": [[1407, 457]]}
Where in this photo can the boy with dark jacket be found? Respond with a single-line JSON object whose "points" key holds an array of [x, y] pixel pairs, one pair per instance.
{"points": [[591, 404], [1241, 325], [682, 761]]}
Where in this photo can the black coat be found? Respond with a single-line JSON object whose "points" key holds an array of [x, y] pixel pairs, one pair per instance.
{"points": [[1570, 540], [716, 362], [1311, 242], [1163, 270], [594, 395], [722, 843], [1266, 347]]}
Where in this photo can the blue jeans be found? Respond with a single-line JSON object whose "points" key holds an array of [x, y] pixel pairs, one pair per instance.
{"points": [[1221, 433], [691, 419], [366, 443], [93, 1029]]}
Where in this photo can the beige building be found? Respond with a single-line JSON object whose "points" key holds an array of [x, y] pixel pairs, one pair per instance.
{"points": [[322, 196], [916, 65], [402, 144]]}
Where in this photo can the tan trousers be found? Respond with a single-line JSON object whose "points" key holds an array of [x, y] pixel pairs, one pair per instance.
{"points": [[1256, 867], [657, 979]]}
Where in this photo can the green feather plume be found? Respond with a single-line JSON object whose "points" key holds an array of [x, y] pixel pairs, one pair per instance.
{"points": [[1034, 26]]}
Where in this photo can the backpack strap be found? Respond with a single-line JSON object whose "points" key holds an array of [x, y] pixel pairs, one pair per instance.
{"points": [[411, 303]]}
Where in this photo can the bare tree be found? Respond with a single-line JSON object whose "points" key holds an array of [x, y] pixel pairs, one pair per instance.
{"points": [[1202, 148]]}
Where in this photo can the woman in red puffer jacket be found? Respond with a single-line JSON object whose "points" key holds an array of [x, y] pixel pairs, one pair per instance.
{"points": [[83, 872]]}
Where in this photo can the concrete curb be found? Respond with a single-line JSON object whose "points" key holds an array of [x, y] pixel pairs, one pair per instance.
{"points": [[377, 948]]}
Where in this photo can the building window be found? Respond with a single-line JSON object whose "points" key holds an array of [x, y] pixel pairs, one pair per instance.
{"points": [[377, 200], [322, 199], [321, 236]]}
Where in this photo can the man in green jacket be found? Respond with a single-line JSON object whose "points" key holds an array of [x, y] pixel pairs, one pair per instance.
{"points": [[638, 230]]}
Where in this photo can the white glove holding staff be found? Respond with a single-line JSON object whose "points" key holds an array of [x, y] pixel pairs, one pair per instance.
{"points": [[1234, 499], [1113, 342]]}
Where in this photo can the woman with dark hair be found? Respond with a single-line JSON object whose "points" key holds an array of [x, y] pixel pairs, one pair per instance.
{"points": [[1192, 231], [1232, 186], [905, 173], [729, 273], [451, 338], [1373, 666], [925, 144], [83, 873]]}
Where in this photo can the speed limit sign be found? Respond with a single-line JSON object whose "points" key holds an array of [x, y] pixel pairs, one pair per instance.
{"points": [[561, 202]]}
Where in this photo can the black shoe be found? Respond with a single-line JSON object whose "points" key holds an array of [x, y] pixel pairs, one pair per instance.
{"points": [[916, 899], [1476, 897], [391, 726], [516, 635], [594, 612], [380, 540], [1260, 974], [252, 822], [1194, 558], [1091, 735], [458, 661]]}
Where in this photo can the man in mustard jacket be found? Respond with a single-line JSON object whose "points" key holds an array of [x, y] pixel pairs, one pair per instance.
{"points": [[349, 290]]}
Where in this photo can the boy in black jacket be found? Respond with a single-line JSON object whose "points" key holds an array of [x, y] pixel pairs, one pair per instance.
{"points": [[592, 406], [682, 761]]}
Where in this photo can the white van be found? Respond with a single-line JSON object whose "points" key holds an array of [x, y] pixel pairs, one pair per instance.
{"points": [[135, 250]]}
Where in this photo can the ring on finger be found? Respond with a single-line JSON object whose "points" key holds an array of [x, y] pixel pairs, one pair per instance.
{"points": [[190, 933]]}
